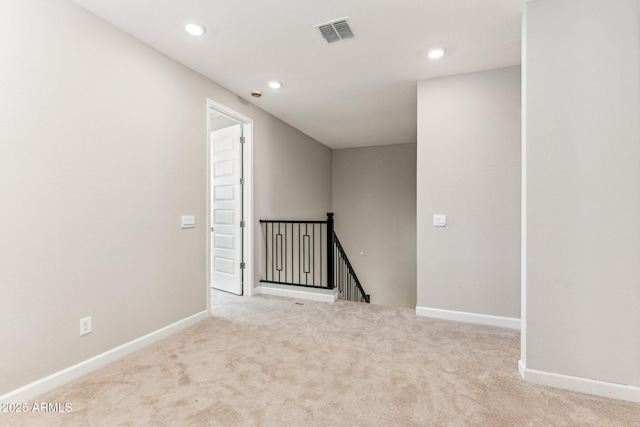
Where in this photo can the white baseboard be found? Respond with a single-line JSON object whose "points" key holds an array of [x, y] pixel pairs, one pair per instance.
{"points": [[48, 383], [461, 316], [580, 385], [310, 294], [521, 368]]}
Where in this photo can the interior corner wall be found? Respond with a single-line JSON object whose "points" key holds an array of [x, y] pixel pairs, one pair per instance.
{"points": [[468, 160], [583, 190], [374, 201], [102, 149]]}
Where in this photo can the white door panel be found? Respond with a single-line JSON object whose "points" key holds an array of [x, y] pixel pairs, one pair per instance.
{"points": [[226, 201]]}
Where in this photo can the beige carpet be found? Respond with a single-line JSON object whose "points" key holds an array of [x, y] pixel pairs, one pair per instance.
{"points": [[266, 361]]}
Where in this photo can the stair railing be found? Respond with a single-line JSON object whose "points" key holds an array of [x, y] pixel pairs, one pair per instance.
{"points": [[308, 254], [345, 276], [293, 253]]}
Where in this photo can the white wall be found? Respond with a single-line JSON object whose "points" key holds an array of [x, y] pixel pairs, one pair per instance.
{"points": [[374, 200], [583, 194], [102, 148], [468, 161]]}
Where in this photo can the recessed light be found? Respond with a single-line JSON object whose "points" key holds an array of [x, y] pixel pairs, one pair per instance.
{"points": [[436, 53], [275, 85], [256, 94], [195, 29]]}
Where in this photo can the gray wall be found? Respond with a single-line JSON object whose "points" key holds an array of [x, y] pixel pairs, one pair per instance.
{"points": [[292, 179], [292, 174], [468, 161], [102, 148], [374, 200], [582, 183]]}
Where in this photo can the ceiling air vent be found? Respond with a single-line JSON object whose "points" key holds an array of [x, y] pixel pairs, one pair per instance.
{"points": [[336, 31]]}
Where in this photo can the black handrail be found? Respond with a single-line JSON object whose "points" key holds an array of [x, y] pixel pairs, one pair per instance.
{"points": [[293, 253], [348, 283], [290, 248]]}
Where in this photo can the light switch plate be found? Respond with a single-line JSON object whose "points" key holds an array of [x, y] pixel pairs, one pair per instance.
{"points": [[188, 221], [439, 220]]}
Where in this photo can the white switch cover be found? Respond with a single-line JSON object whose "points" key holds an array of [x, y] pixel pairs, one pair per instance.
{"points": [[188, 221], [439, 220]]}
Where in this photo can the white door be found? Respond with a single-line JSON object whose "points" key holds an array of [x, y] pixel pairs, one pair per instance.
{"points": [[226, 206]]}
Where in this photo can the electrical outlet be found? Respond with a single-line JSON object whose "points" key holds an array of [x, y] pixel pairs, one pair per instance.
{"points": [[85, 326]]}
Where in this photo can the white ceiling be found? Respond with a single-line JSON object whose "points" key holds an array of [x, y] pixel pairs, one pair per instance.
{"points": [[355, 93]]}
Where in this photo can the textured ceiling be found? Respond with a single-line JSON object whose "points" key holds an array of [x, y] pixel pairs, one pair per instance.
{"points": [[354, 93]]}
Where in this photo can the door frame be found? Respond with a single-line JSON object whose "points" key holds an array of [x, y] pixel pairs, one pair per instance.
{"points": [[247, 198]]}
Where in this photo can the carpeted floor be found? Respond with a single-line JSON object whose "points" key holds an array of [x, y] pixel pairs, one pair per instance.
{"points": [[267, 361]]}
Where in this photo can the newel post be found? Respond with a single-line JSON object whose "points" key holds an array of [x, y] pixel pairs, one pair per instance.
{"points": [[330, 274]]}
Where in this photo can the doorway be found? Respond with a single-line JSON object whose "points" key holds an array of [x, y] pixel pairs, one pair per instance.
{"points": [[230, 234]]}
